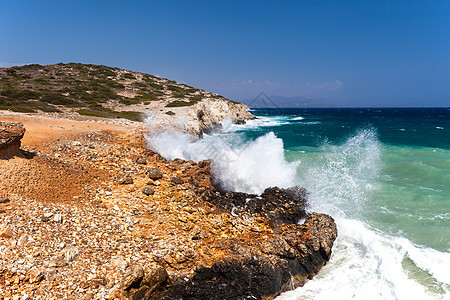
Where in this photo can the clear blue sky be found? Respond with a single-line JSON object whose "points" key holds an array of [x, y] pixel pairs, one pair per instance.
{"points": [[351, 53]]}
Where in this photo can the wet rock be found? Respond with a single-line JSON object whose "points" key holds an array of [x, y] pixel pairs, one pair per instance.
{"points": [[279, 205], [148, 191], [154, 173], [289, 258], [4, 200]]}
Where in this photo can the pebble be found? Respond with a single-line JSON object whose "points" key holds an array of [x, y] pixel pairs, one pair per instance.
{"points": [[148, 191], [46, 217], [6, 232], [57, 218], [4, 200]]}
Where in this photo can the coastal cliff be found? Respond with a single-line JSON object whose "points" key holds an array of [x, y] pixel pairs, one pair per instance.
{"points": [[96, 92], [96, 214]]}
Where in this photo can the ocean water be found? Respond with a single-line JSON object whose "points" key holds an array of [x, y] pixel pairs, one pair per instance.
{"points": [[382, 174]]}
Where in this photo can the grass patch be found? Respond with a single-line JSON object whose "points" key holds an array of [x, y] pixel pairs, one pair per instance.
{"points": [[170, 113]]}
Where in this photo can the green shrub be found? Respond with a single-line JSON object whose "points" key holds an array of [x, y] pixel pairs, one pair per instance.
{"points": [[57, 99], [130, 101], [176, 89], [128, 76], [196, 98], [179, 103], [95, 113], [170, 113], [178, 95], [156, 86], [21, 95], [130, 115]]}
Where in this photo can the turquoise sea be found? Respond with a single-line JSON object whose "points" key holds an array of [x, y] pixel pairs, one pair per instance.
{"points": [[382, 174]]}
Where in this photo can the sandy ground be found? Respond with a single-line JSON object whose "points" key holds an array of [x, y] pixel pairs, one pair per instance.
{"points": [[41, 128]]}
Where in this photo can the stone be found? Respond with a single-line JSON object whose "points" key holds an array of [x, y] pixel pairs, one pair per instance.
{"points": [[125, 180], [132, 278], [46, 217], [57, 262], [4, 200], [156, 277], [6, 232], [120, 263], [148, 191], [141, 161], [36, 275], [71, 253], [22, 240], [57, 218], [11, 134], [154, 173], [177, 180]]}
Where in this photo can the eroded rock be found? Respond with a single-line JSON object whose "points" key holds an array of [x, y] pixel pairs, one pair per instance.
{"points": [[11, 134]]}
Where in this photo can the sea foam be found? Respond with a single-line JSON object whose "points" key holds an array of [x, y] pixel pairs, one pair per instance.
{"points": [[238, 164]]}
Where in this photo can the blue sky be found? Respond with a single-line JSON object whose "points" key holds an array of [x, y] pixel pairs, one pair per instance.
{"points": [[333, 53]]}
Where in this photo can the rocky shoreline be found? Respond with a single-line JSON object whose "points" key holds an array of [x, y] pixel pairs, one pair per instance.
{"points": [[96, 215]]}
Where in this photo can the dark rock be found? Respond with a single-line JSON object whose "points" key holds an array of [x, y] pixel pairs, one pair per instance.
{"points": [[139, 294], [177, 180], [141, 161], [133, 278], [46, 217], [148, 191], [156, 278], [154, 173], [4, 200], [279, 205], [204, 163]]}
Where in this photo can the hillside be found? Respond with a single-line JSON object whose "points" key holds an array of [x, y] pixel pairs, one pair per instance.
{"points": [[100, 91]]}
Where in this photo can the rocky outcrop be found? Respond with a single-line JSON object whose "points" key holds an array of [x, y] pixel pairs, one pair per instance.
{"points": [[203, 117], [211, 113], [257, 270], [11, 134]]}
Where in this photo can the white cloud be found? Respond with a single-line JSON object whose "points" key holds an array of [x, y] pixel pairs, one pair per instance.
{"points": [[334, 85]]}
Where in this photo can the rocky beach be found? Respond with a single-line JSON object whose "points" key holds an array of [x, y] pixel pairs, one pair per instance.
{"points": [[88, 211]]}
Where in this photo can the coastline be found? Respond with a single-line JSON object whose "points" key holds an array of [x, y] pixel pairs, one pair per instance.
{"points": [[84, 207]]}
